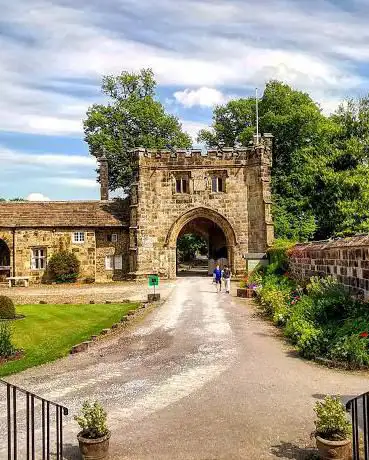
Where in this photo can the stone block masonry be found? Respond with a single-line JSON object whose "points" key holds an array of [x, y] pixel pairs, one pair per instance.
{"points": [[347, 259], [223, 196]]}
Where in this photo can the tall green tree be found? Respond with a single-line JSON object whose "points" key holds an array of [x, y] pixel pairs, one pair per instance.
{"points": [[339, 174], [131, 118], [296, 122]]}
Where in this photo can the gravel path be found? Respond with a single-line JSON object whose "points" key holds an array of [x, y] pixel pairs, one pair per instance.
{"points": [[202, 377], [83, 293]]}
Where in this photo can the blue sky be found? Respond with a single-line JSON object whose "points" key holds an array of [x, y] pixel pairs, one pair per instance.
{"points": [[53, 54]]}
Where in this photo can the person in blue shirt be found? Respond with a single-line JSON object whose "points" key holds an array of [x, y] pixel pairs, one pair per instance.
{"points": [[218, 278]]}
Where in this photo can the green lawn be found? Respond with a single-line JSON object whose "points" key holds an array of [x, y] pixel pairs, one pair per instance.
{"points": [[48, 332]]}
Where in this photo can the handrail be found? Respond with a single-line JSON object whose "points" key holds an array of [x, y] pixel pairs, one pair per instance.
{"points": [[22, 390], [12, 397], [359, 408]]}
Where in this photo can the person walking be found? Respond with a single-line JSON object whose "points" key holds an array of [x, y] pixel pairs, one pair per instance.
{"points": [[227, 279], [218, 278]]}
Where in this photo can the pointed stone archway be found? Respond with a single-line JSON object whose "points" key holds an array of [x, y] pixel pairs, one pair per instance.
{"points": [[219, 230]]}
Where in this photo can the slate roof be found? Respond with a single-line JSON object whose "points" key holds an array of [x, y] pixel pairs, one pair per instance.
{"points": [[34, 214]]}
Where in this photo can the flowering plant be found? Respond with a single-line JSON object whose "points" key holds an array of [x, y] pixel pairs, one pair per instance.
{"points": [[364, 334]]}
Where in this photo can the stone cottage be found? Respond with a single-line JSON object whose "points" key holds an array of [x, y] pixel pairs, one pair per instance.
{"points": [[223, 196]]}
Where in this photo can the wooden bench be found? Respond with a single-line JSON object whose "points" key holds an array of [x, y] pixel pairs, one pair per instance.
{"points": [[13, 280]]}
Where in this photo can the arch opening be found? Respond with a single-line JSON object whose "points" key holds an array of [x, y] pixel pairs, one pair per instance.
{"points": [[4, 260], [212, 237], [201, 243]]}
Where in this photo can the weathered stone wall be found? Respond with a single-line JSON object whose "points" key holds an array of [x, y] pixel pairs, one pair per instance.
{"points": [[54, 241], [105, 247], [158, 213], [346, 259], [91, 253]]}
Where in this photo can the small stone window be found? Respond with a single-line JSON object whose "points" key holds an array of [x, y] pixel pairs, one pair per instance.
{"points": [[182, 185], [78, 237], [218, 184], [113, 238], [114, 262], [38, 258]]}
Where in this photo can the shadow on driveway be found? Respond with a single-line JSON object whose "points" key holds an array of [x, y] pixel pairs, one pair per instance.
{"points": [[289, 450]]}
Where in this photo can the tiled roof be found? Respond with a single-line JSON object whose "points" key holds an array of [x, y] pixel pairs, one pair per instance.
{"points": [[33, 214]]}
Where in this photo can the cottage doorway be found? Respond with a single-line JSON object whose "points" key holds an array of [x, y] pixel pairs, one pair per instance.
{"points": [[4, 261]]}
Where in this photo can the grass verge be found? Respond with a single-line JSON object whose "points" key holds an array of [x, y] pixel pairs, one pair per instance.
{"points": [[48, 332]]}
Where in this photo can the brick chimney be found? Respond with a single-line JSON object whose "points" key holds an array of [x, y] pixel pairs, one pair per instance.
{"points": [[104, 178]]}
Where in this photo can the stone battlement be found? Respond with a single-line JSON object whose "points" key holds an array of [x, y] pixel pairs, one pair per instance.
{"points": [[225, 153]]}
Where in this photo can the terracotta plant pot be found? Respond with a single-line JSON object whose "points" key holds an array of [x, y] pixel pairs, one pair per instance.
{"points": [[245, 293], [94, 449], [339, 450]]}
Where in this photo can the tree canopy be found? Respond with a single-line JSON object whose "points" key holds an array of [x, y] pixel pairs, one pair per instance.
{"points": [[320, 163], [131, 118]]}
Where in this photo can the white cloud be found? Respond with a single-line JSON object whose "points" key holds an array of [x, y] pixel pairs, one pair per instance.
{"points": [[204, 97], [193, 128], [37, 197], [8, 156], [220, 47]]}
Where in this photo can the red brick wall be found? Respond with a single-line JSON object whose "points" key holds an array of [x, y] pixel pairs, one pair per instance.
{"points": [[347, 259]]}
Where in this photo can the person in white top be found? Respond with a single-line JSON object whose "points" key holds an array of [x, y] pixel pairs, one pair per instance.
{"points": [[227, 279]]}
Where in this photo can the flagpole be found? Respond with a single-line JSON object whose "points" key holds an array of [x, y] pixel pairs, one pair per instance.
{"points": [[257, 116]]}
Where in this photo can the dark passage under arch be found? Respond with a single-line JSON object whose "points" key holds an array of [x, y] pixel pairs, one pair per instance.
{"points": [[4, 260]]}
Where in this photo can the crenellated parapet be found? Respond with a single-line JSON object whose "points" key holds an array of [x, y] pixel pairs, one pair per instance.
{"points": [[256, 151]]}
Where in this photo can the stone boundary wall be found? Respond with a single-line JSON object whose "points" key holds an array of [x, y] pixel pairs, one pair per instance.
{"points": [[347, 259]]}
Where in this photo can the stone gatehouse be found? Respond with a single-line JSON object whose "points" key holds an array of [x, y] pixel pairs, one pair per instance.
{"points": [[224, 196]]}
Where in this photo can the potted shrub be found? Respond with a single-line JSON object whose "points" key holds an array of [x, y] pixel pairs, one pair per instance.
{"points": [[247, 288], [332, 429], [94, 437]]}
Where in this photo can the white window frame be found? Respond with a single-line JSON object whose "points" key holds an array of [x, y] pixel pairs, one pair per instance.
{"points": [[184, 185], [109, 262], [79, 237], [114, 262], [215, 181], [38, 258], [114, 237], [118, 262]]}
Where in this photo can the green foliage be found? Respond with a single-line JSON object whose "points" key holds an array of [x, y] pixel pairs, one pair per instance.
{"points": [[7, 308], [278, 257], [48, 332], [188, 245], [63, 267], [133, 118], [92, 420], [6, 346], [350, 349], [311, 342], [331, 422], [320, 164], [331, 300], [322, 321]]}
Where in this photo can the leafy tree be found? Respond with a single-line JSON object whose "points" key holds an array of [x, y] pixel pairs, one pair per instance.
{"points": [[190, 244], [297, 123], [339, 174], [132, 118]]}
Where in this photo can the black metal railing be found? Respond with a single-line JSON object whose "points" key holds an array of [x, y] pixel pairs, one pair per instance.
{"points": [[34, 425], [359, 408]]}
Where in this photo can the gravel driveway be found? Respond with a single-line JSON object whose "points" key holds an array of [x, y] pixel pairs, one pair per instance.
{"points": [[202, 377], [83, 293]]}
